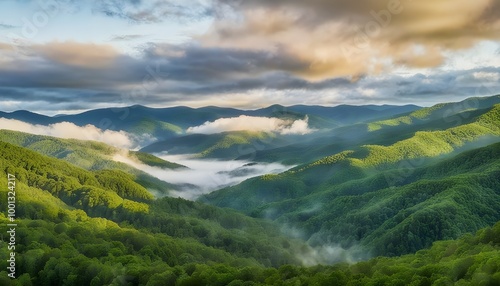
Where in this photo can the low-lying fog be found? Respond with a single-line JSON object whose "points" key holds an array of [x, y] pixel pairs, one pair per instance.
{"points": [[204, 175]]}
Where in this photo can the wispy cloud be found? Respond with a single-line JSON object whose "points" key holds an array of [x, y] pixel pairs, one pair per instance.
{"points": [[148, 12], [126, 37], [203, 176], [251, 123], [7, 26], [68, 130]]}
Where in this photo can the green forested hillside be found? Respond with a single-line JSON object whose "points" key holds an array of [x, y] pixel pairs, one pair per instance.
{"points": [[77, 227], [456, 113], [440, 117], [396, 189], [154, 161], [93, 155], [378, 196], [153, 128], [226, 145], [104, 220], [89, 155]]}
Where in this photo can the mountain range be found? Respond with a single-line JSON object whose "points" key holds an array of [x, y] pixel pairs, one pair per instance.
{"points": [[169, 122], [373, 195]]}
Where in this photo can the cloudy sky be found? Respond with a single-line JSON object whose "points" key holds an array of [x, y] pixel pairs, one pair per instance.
{"points": [[65, 56]]}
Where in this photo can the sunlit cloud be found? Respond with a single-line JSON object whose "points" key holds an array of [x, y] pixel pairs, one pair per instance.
{"points": [[339, 38], [242, 53], [68, 130], [251, 123]]}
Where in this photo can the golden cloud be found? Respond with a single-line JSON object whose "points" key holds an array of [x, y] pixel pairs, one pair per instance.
{"points": [[84, 55], [345, 37], [5, 47]]}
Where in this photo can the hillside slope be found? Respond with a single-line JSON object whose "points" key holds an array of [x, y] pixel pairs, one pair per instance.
{"points": [[372, 195], [386, 132], [83, 220], [176, 242], [226, 145], [92, 155], [165, 123]]}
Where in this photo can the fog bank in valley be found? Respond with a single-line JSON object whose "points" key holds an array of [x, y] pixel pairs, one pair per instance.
{"points": [[203, 176]]}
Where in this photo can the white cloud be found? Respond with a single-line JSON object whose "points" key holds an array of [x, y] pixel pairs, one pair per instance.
{"points": [[487, 76], [203, 176], [251, 123], [120, 139]]}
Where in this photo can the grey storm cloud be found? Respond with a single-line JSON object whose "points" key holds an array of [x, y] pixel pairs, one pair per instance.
{"points": [[271, 81], [53, 73], [467, 82], [208, 67], [345, 37]]}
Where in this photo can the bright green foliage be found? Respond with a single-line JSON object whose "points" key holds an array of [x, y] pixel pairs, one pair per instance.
{"points": [[153, 127], [92, 197], [233, 139], [74, 186], [76, 228], [374, 126], [426, 112], [226, 145], [91, 155], [123, 184], [321, 144], [434, 143], [154, 161], [453, 111], [386, 198], [98, 225], [433, 202], [135, 207], [96, 251], [329, 160]]}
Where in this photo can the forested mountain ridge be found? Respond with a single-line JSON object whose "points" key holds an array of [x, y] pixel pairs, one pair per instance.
{"points": [[164, 123], [69, 233], [76, 216], [399, 189], [387, 132], [454, 112], [373, 196], [92, 155], [225, 145], [352, 164]]}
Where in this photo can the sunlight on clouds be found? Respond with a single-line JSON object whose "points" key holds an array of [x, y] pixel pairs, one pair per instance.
{"points": [[251, 123], [78, 54], [487, 76], [340, 38], [68, 130]]}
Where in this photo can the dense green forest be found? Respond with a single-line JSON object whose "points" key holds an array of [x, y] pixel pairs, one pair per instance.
{"points": [[225, 145], [76, 230], [387, 132], [391, 202], [389, 199], [66, 211], [91, 155]]}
